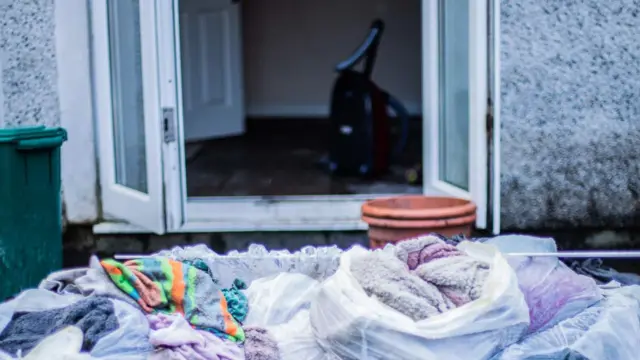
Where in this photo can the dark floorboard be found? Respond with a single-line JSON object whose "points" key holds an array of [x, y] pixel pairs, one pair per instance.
{"points": [[279, 157]]}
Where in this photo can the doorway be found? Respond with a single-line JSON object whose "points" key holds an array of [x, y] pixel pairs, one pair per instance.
{"points": [[256, 89], [256, 137]]}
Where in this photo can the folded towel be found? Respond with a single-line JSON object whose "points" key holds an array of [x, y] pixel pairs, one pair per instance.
{"points": [[95, 316], [161, 285]]}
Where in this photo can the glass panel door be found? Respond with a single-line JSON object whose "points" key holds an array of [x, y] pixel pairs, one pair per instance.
{"points": [[127, 97], [455, 99], [128, 111], [454, 92]]}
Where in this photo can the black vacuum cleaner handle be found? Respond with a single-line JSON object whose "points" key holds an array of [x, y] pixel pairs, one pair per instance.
{"points": [[367, 50]]}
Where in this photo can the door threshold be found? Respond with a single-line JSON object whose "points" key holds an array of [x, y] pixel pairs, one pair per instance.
{"points": [[272, 214], [241, 225], [115, 228], [274, 226]]}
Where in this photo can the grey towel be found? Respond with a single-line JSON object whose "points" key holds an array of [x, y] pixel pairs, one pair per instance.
{"points": [[389, 280], [259, 345], [95, 316]]}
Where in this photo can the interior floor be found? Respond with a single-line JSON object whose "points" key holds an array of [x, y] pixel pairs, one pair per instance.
{"points": [[282, 157]]}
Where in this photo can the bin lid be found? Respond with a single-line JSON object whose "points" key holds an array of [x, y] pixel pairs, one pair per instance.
{"points": [[11, 135]]}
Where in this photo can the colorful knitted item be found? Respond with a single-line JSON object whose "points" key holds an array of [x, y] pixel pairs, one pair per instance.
{"points": [[237, 301], [161, 285], [202, 265]]}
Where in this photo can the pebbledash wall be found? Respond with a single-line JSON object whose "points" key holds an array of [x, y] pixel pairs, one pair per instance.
{"points": [[570, 130], [29, 92], [45, 80], [570, 113]]}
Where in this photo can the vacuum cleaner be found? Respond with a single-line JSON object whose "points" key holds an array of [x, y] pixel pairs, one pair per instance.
{"points": [[360, 135]]}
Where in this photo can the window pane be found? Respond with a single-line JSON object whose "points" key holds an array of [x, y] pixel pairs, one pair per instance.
{"points": [[127, 97], [454, 92]]}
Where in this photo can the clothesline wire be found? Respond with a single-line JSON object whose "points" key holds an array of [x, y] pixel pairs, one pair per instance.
{"points": [[613, 254]]}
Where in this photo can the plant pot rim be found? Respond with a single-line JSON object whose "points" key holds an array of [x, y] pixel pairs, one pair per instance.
{"points": [[383, 208], [419, 224]]}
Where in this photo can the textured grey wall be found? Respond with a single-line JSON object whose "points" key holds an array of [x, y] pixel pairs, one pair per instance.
{"points": [[27, 63], [570, 110], [570, 74]]}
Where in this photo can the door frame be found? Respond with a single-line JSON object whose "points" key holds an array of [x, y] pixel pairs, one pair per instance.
{"points": [[330, 212], [478, 94], [494, 51], [119, 202], [173, 149]]}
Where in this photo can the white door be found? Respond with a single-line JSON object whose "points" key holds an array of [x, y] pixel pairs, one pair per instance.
{"points": [[211, 63], [228, 213], [455, 99], [455, 104], [128, 111]]}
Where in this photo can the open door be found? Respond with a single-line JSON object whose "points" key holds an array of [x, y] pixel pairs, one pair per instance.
{"points": [[495, 123], [455, 99], [211, 68], [128, 111]]}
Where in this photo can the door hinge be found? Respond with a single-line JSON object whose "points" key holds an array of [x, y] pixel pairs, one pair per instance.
{"points": [[168, 124], [489, 119]]}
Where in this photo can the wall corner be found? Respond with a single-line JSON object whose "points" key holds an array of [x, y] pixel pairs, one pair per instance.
{"points": [[73, 54]]}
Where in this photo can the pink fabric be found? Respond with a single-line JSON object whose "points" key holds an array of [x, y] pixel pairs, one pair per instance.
{"points": [[175, 339], [552, 290], [430, 252]]}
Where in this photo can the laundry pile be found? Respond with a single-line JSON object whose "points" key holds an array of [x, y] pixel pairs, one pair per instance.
{"points": [[439, 277], [425, 298]]}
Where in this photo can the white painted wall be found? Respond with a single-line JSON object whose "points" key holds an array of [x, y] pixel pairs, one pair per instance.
{"points": [[79, 174], [292, 46]]}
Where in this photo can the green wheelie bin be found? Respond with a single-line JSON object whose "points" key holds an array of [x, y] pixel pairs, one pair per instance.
{"points": [[30, 206]]}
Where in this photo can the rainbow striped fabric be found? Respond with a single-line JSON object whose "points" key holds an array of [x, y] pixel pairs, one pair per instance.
{"points": [[161, 285]]}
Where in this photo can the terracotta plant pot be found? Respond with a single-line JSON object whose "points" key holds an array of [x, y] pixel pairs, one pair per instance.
{"points": [[398, 218]]}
